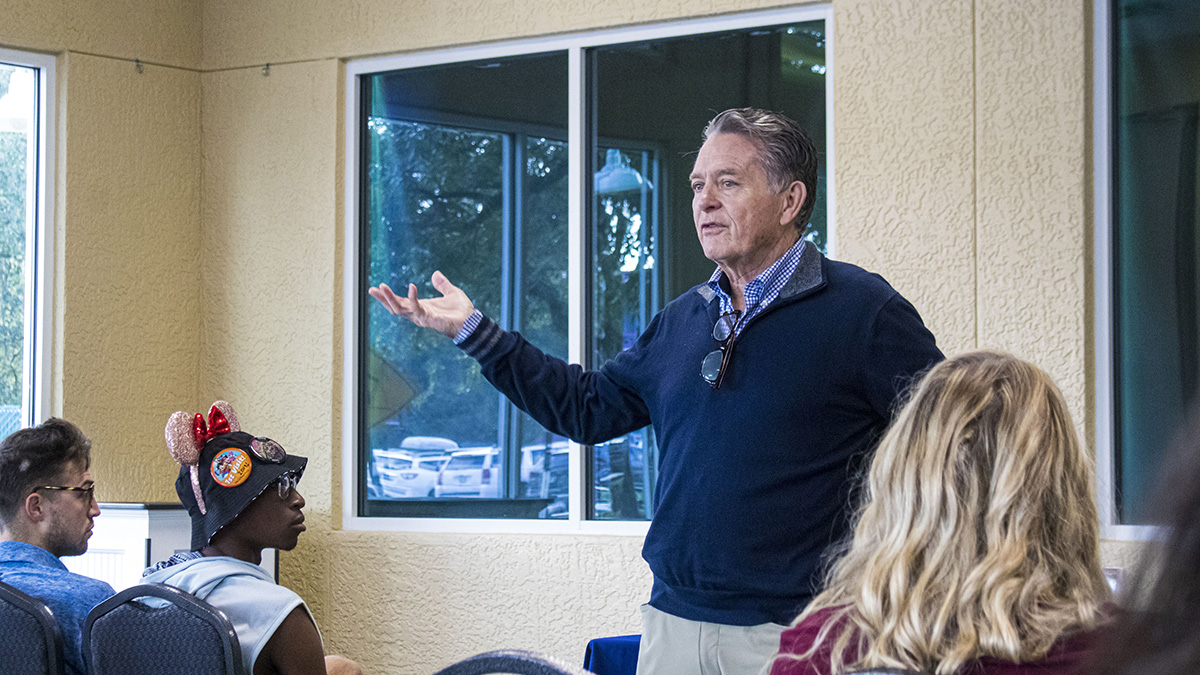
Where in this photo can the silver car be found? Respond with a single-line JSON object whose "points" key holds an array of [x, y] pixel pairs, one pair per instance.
{"points": [[411, 470], [471, 472]]}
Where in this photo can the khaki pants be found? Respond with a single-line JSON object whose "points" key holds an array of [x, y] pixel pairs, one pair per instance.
{"points": [[675, 646]]}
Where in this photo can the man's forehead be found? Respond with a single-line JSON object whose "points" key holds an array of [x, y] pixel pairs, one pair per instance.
{"points": [[725, 154]]}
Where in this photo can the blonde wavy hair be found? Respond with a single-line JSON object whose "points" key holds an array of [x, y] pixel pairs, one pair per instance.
{"points": [[977, 532]]}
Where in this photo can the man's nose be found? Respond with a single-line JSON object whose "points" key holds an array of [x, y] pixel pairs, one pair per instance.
{"points": [[706, 199], [299, 498]]}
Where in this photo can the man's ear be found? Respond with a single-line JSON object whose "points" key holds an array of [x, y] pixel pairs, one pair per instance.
{"points": [[796, 193], [34, 507]]}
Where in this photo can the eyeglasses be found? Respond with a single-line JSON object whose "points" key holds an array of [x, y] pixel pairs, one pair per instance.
{"points": [[88, 490], [714, 365], [285, 483]]}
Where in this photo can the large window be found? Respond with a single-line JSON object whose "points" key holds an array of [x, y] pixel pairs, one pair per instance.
{"points": [[549, 181], [1153, 257], [25, 89]]}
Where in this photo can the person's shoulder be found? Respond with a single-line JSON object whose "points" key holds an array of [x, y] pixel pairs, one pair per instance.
{"points": [[1067, 656], [799, 640], [89, 586], [63, 590], [850, 277], [801, 636], [698, 295]]}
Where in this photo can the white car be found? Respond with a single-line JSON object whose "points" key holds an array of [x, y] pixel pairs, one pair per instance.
{"points": [[471, 472], [533, 463], [411, 470]]}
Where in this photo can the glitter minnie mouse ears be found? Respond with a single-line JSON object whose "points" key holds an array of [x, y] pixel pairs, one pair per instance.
{"points": [[186, 435]]}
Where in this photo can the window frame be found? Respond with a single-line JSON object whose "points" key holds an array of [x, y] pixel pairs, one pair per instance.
{"points": [[39, 239], [575, 44], [1104, 346]]}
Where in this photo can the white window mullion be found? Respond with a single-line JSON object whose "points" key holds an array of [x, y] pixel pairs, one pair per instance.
{"points": [[576, 251]]}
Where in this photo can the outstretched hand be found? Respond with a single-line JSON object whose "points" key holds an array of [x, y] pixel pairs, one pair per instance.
{"points": [[446, 314]]}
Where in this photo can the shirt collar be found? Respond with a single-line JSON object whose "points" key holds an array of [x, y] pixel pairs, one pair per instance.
{"points": [[19, 551], [765, 286]]}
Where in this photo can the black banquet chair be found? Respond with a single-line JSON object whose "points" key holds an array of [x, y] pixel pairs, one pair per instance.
{"points": [[188, 636], [31, 642], [513, 662]]}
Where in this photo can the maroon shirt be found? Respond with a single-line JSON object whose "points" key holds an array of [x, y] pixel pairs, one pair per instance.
{"points": [[1066, 657]]}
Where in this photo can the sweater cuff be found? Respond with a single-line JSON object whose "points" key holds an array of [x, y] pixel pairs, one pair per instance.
{"points": [[483, 341]]}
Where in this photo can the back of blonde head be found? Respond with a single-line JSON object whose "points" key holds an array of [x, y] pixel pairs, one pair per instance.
{"points": [[977, 533]]}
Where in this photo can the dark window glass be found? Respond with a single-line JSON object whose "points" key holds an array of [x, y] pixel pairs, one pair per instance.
{"points": [[1156, 106], [651, 104], [465, 172]]}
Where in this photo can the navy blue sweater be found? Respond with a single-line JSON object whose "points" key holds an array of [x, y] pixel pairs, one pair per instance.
{"points": [[755, 477]]}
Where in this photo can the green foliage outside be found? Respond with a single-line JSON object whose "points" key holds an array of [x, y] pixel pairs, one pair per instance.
{"points": [[12, 264], [13, 163], [436, 202]]}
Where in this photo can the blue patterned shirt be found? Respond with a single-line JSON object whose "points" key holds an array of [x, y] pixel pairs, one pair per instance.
{"points": [[38, 573], [763, 290]]}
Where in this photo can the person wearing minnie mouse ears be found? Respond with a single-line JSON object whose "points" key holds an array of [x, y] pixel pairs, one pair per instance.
{"points": [[241, 493]]}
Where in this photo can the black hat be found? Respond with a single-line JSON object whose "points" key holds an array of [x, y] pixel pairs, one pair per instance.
{"points": [[231, 470]]}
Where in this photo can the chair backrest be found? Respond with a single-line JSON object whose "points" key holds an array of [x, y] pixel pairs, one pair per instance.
{"points": [[512, 661], [185, 636], [31, 642]]}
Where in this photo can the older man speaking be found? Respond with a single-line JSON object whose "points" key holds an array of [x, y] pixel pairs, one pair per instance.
{"points": [[767, 387]]}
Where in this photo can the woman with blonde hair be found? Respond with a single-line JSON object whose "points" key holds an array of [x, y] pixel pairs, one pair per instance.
{"points": [[976, 549]]}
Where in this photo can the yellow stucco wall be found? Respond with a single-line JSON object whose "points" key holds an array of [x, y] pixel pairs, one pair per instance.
{"points": [[127, 231], [961, 142]]}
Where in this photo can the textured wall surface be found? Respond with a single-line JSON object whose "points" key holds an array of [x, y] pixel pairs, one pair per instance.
{"points": [[129, 303], [904, 152], [163, 32], [238, 33], [1032, 61], [415, 603], [269, 231], [127, 230]]}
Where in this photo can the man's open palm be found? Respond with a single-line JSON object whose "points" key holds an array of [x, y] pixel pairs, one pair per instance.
{"points": [[446, 314]]}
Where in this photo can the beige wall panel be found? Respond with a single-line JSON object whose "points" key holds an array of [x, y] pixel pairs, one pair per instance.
{"points": [[270, 148], [269, 229], [238, 33], [130, 300], [34, 24], [410, 604], [1032, 60], [156, 31], [903, 148]]}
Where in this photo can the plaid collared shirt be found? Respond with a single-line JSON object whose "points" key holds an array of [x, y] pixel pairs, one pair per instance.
{"points": [[763, 290]]}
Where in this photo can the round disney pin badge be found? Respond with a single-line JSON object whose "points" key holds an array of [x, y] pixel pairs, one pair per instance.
{"points": [[231, 467]]}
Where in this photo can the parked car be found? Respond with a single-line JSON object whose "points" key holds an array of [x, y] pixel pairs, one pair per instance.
{"points": [[411, 470], [471, 472], [533, 464]]}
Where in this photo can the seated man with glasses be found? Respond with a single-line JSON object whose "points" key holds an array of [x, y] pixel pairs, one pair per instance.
{"points": [[767, 386], [241, 493], [47, 504]]}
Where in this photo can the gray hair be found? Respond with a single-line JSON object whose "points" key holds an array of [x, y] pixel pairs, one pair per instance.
{"points": [[786, 151]]}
